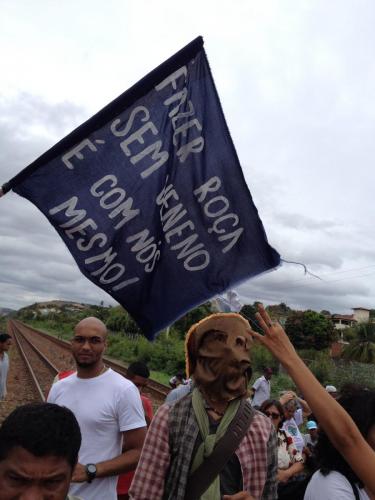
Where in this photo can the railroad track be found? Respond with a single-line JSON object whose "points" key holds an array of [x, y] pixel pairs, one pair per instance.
{"points": [[47, 355]]}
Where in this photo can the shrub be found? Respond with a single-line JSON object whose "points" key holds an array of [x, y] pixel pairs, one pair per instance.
{"points": [[349, 372], [322, 367], [261, 358]]}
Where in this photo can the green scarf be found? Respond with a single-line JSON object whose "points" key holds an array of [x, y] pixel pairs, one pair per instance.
{"points": [[209, 440]]}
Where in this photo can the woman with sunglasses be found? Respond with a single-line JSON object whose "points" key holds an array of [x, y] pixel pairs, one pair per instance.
{"points": [[290, 460]]}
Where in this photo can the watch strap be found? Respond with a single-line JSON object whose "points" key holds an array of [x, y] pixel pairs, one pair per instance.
{"points": [[90, 472]]}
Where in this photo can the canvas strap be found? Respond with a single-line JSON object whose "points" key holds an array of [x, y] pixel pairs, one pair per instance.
{"points": [[203, 476]]}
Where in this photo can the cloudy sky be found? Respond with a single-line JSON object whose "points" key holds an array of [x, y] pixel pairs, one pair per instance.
{"points": [[297, 83]]}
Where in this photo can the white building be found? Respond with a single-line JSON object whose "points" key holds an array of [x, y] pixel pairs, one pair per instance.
{"points": [[342, 321], [361, 314]]}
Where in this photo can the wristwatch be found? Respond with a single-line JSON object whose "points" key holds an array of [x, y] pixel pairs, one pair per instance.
{"points": [[91, 472]]}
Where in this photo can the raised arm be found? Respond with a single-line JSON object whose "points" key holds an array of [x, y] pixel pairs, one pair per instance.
{"points": [[306, 410], [338, 425]]}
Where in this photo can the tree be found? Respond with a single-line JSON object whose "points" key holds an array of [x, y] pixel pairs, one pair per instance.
{"points": [[120, 320], [362, 349], [277, 310], [325, 312], [310, 330], [183, 324]]}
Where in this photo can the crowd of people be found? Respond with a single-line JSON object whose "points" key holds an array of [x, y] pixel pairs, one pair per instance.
{"points": [[97, 439]]}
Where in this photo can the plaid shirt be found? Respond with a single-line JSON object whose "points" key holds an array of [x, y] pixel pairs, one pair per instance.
{"points": [[257, 454]]}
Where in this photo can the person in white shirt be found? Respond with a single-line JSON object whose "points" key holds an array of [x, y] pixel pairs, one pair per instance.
{"points": [[294, 416], [262, 388], [335, 478], [5, 343], [109, 411]]}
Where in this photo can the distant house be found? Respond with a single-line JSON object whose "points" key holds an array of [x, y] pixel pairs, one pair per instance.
{"points": [[53, 307], [342, 321], [45, 311], [361, 314]]}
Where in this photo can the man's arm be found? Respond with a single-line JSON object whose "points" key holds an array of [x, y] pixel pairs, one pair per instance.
{"points": [[256, 384], [128, 460], [306, 410], [255, 387]]}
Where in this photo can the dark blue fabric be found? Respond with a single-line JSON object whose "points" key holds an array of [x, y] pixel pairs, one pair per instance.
{"points": [[150, 198]]}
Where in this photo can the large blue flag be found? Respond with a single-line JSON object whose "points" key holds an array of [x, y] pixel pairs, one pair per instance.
{"points": [[149, 196]]}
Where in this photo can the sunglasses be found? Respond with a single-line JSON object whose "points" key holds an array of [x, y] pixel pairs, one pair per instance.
{"points": [[90, 340], [271, 414]]}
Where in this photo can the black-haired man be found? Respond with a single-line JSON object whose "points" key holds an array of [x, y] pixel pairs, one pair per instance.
{"points": [[39, 446], [139, 374], [5, 343]]}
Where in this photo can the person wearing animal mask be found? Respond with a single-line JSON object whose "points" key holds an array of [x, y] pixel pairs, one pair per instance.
{"points": [[211, 444]]}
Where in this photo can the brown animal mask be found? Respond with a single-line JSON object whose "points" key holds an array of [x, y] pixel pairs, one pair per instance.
{"points": [[218, 355]]}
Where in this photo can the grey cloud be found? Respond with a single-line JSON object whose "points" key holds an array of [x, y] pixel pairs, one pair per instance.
{"points": [[34, 262], [296, 83], [298, 221], [318, 295], [29, 126]]}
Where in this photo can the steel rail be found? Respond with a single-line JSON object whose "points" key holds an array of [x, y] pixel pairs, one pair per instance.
{"points": [[42, 356], [31, 371], [160, 390]]}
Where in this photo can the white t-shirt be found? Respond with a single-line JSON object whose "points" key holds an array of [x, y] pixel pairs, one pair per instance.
{"points": [[331, 487], [105, 406], [4, 367], [292, 427], [262, 388]]}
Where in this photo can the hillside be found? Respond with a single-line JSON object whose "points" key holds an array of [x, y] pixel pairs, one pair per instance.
{"points": [[52, 307], [4, 311]]}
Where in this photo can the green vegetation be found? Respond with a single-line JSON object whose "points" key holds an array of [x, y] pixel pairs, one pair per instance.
{"points": [[161, 377], [310, 332], [164, 355], [362, 347], [309, 329], [3, 324]]}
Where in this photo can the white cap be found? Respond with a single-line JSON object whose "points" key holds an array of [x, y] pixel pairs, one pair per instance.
{"points": [[331, 388]]}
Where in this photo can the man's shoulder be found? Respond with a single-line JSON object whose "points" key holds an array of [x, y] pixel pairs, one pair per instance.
{"points": [[178, 393], [67, 380], [5, 359], [121, 386], [259, 380], [61, 387], [117, 378], [60, 384]]}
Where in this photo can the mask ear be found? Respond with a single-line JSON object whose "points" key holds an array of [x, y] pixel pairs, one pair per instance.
{"points": [[249, 373], [191, 353]]}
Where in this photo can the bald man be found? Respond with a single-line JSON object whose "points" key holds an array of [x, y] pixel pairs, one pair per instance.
{"points": [[109, 412]]}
